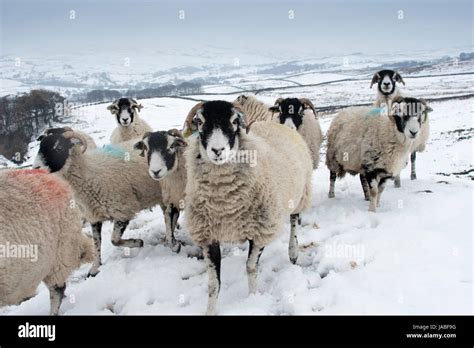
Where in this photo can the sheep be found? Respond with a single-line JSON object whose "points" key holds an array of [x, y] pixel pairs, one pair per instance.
{"points": [[130, 125], [254, 109], [165, 156], [376, 147], [112, 183], [232, 198], [41, 236], [91, 145], [300, 114], [387, 89]]}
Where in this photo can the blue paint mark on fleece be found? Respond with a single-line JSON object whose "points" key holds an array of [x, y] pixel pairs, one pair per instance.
{"points": [[112, 150], [377, 112]]}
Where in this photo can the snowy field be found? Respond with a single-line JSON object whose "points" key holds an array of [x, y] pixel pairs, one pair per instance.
{"points": [[414, 256]]}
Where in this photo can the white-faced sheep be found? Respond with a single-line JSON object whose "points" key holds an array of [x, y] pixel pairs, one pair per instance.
{"points": [[129, 124], [232, 198], [300, 114], [387, 88], [165, 156], [374, 146], [112, 183], [40, 236]]}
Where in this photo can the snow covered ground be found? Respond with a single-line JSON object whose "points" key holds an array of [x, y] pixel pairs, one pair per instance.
{"points": [[414, 256]]}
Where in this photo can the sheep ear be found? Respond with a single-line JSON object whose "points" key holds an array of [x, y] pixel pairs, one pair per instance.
{"points": [[141, 147], [274, 109], [375, 79], [241, 116], [427, 107], [398, 78], [41, 137]]}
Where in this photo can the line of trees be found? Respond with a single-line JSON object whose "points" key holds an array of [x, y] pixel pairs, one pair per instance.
{"points": [[23, 117], [184, 88]]}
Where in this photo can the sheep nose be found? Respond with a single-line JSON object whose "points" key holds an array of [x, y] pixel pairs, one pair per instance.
{"points": [[217, 151], [413, 133], [386, 83], [156, 173]]}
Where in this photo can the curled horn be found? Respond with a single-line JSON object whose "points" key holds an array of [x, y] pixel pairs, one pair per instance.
{"points": [[135, 104], [375, 79], [188, 122], [70, 134], [399, 78], [113, 108], [176, 133], [310, 104]]}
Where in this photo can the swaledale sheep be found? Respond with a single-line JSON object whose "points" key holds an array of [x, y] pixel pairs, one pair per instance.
{"points": [[300, 114], [130, 125], [232, 198], [40, 236], [112, 183], [165, 156], [387, 89], [376, 147]]}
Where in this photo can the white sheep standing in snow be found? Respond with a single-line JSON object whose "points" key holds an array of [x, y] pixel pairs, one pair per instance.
{"points": [[230, 198], [129, 124], [164, 151], [300, 114], [38, 214], [374, 146], [111, 183]]}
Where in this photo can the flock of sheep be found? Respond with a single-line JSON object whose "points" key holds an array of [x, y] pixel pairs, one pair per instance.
{"points": [[206, 170]]}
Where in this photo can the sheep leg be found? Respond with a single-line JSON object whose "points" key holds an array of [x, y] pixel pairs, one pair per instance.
{"points": [[373, 181], [252, 264], [293, 246], [56, 295], [332, 182], [413, 167], [212, 256], [96, 234], [397, 181], [380, 189], [365, 186], [119, 229], [171, 218]]}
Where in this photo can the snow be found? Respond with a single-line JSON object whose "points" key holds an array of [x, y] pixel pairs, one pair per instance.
{"points": [[414, 256]]}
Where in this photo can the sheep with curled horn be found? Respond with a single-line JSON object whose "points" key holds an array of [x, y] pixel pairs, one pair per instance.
{"points": [[129, 123]]}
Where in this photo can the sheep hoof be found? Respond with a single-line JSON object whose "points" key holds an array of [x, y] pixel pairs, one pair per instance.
{"points": [[367, 199], [176, 247], [293, 260], [92, 274], [331, 195], [372, 209], [413, 177]]}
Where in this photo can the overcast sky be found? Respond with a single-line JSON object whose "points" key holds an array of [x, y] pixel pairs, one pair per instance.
{"points": [[324, 27]]}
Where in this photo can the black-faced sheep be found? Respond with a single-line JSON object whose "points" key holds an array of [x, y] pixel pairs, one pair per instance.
{"points": [[300, 114], [243, 186], [374, 146], [111, 183], [129, 124]]}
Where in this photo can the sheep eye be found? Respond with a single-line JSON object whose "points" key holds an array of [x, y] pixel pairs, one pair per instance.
{"points": [[236, 121]]}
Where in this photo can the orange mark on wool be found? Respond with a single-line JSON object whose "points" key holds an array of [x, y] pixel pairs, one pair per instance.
{"points": [[41, 181]]}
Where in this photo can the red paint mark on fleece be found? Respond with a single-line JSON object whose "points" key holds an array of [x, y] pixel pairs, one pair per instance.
{"points": [[41, 181]]}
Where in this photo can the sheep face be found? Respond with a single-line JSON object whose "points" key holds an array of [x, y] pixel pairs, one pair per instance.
{"points": [[219, 124], [53, 152], [408, 114], [125, 110], [386, 81], [161, 151], [290, 112]]}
